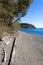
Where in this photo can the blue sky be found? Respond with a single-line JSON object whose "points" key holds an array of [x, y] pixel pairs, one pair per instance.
{"points": [[34, 14]]}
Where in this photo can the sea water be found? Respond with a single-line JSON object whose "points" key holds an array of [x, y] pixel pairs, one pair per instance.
{"points": [[36, 32]]}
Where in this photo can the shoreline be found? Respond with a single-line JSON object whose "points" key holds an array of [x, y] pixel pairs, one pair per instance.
{"points": [[31, 34]]}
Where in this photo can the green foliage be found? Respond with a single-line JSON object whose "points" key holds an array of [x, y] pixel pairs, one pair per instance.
{"points": [[11, 8]]}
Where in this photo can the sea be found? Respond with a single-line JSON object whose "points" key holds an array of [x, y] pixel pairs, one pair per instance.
{"points": [[35, 32]]}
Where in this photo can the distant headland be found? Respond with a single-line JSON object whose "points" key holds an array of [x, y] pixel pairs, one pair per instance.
{"points": [[26, 25]]}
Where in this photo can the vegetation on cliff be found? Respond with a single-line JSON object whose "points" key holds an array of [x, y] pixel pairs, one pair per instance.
{"points": [[13, 8], [11, 11]]}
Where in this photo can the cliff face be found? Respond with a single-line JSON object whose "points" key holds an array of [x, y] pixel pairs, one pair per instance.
{"points": [[25, 25]]}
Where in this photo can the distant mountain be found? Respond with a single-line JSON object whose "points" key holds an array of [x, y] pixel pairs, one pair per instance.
{"points": [[26, 25]]}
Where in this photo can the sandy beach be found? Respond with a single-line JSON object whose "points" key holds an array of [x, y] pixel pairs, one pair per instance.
{"points": [[28, 50]]}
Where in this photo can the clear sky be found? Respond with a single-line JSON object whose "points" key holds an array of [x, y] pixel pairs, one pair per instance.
{"points": [[34, 14]]}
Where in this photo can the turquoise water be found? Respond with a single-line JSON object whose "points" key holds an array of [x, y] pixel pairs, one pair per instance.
{"points": [[36, 32]]}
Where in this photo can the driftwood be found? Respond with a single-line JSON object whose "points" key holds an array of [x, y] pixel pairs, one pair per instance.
{"points": [[3, 55], [11, 52]]}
